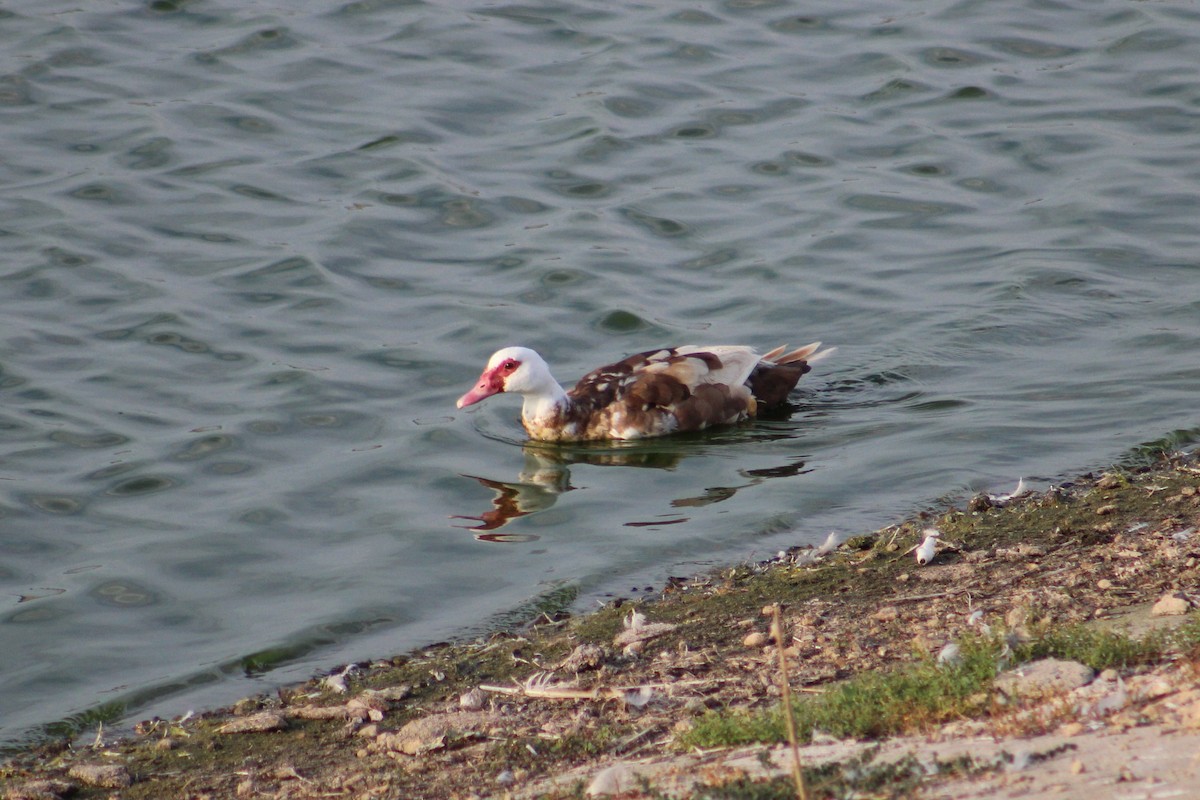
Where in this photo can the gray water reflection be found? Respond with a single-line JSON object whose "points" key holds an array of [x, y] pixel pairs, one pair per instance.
{"points": [[253, 252], [547, 475]]}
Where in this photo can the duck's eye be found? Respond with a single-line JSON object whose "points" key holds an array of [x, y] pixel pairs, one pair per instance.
{"points": [[509, 366]]}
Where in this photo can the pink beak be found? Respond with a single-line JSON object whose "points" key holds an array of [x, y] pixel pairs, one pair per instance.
{"points": [[488, 385]]}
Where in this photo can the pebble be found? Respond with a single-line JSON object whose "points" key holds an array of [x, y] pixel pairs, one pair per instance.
{"points": [[1104, 583], [980, 502], [1077, 767], [1071, 729], [1046, 676], [262, 722], [617, 779], [1104, 511], [394, 692], [471, 701], [41, 790], [1170, 605], [756, 639], [106, 776]]}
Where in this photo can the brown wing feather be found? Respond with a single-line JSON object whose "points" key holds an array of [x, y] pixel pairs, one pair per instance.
{"points": [[663, 391]]}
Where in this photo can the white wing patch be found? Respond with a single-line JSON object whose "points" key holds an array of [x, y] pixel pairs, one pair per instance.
{"points": [[737, 362]]}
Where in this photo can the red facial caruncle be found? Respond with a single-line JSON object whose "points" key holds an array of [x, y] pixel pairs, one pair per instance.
{"points": [[490, 382]]}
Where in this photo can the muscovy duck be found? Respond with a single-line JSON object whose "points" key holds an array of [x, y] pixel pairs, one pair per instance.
{"points": [[654, 393]]}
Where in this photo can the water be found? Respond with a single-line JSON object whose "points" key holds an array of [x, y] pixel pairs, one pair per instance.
{"points": [[254, 251]]}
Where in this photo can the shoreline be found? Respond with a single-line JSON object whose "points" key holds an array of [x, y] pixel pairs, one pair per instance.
{"points": [[630, 691]]}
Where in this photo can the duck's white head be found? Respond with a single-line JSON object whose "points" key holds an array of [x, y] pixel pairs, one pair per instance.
{"points": [[514, 369]]}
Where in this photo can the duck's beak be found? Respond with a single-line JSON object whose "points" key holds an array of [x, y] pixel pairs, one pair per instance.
{"points": [[487, 386]]}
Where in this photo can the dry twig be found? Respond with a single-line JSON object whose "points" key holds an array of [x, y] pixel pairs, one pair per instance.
{"points": [[785, 687]]}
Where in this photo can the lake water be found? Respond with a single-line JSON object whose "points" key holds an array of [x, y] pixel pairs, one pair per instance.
{"points": [[253, 252]]}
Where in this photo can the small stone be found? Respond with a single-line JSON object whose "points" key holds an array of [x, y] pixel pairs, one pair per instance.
{"points": [[472, 700], [394, 693], [1104, 584], [903, 577], [756, 639], [262, 722], [584, 657], [41, 790], [325, 712], [886, 614], [1046, 676], [617, 779], [1155, 688], [166, 743], [369, 702], [1077, 767], [106, 776], [425, 734], [1170, 605], [1105, 510], [1109, 481], [506, 778], [1188, 491], [1109, 675], [980, 502], [1189, 714], [1071, 729]]}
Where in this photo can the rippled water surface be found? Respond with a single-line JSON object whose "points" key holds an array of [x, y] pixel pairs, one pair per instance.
{"points": [[253, 251]]}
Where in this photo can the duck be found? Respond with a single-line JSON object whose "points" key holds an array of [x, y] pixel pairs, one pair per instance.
{"points": [[648, 394]]}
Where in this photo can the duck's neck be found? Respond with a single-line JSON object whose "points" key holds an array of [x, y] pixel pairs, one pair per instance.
{"points": [[545, 404]]}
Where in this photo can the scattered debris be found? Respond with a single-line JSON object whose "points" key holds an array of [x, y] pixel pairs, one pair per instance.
{"points": [[950, 655], [1001, 499], [927, 549], [337, 680], [543, 685], [638, 631]]}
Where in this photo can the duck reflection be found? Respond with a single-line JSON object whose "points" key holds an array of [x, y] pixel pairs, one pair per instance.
{"points": [[547, 474]]}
